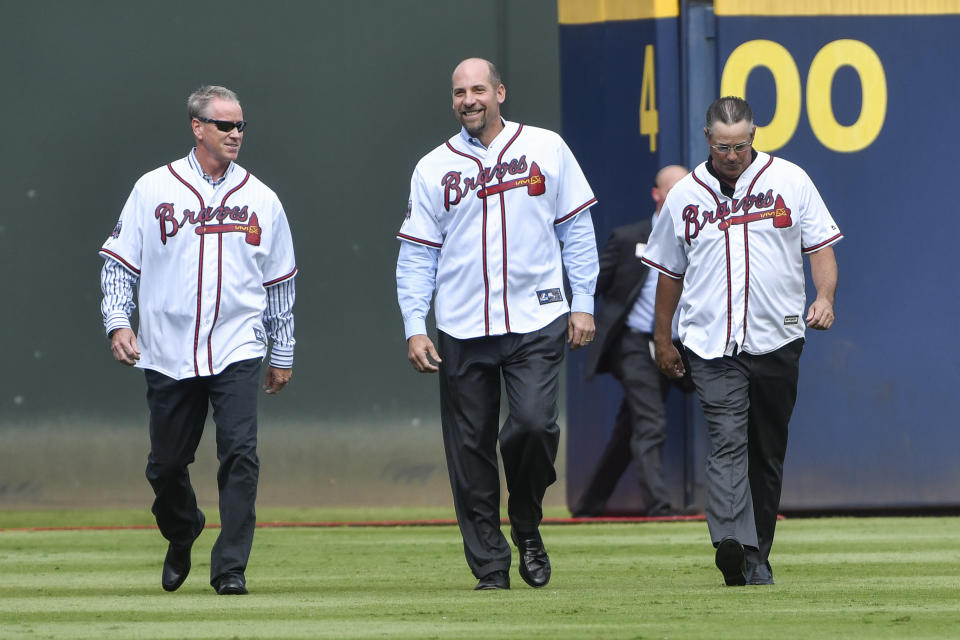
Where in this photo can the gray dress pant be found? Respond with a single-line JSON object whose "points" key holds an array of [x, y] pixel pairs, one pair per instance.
{"points": [[470, 378], [747, 402]]}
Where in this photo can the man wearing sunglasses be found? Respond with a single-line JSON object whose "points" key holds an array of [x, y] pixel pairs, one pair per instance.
{"points": [[729, 248], [210, 251]]}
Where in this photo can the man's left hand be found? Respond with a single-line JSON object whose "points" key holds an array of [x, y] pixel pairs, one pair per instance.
{"points": [[820, 316], [276, 379], [580, 329]]}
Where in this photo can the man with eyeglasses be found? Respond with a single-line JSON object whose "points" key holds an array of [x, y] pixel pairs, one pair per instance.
{"points": [[209, 248], [730, 250]]}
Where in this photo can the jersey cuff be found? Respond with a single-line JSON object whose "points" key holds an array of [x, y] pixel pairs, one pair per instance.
{"points": [[582, 303], [414, 326], [281, 357], [116, 320]]}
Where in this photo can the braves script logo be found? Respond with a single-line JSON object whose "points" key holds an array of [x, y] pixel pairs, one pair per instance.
{"points": [[696, 220], [170, 224], [455, 187]]}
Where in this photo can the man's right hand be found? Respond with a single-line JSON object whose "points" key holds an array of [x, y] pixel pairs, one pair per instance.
{"points": [[422, 354], [669, 360], [123, 345]]}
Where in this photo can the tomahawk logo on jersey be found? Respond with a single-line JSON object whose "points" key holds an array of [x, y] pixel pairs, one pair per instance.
{"points": [[738, 290], [481, 207], [223, 245]]}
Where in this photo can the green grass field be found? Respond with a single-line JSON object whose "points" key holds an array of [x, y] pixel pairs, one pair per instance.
{"points": [[836, 578]]}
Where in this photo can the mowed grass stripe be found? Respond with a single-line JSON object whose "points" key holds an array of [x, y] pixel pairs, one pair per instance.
{"points": [[843, 577]]}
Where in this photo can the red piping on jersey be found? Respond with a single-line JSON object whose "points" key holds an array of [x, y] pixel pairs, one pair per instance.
{"points": [[503, 232], [196, 331], [404, 236], [216, 309], [726, 238], [661, 268], [126, 264], [281, 278], [822, 244], [746, 253], [483, 243], [575, 211]]}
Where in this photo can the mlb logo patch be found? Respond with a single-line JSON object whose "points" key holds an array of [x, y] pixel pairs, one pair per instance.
{"points": [[547, 296], [259, 335]]}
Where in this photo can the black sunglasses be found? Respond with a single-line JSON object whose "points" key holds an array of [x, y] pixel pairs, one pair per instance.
{"points": [[225, 125]]}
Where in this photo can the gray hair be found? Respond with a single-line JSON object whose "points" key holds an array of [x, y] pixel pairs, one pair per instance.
{"points": [[199, 99], [729, 110]]}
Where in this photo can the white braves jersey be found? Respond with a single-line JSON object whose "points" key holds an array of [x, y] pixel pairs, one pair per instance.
{"points": [[204, 255], [741, 258], [492, 213]]}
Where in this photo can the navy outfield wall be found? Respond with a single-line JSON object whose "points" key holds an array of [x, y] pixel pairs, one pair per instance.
{"points": [[621, 115], [860, 95]]}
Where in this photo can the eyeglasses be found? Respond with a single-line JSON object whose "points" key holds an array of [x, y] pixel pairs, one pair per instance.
{"points": [[225, 125], [737, 148]]}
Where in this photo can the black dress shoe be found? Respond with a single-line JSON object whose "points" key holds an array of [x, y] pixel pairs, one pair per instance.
{"points": [[493, 580], [176, 564], [534, 561], [730, 561], [232, 584], [176, 567]]}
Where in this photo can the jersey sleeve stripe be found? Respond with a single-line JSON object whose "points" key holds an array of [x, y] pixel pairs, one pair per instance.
{"points": [[588, 203], [129, 267], [435, 245], [817, 247], [661, 269], [281, 278]]}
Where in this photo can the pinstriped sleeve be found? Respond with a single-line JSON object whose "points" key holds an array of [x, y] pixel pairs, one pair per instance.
{"points": [[278, 322], [117, 284]]}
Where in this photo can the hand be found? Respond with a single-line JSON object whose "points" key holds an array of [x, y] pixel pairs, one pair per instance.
{"points": [[276, 379], [123, 345], [669, 360], [820, 316], [580, 329], [422, 354]]}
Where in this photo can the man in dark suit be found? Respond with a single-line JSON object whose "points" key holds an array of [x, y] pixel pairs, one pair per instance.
{"points": [[623, 348]]}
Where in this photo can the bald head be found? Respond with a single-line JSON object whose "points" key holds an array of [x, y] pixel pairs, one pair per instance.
{"points": [[666, 178], [474, 64]]}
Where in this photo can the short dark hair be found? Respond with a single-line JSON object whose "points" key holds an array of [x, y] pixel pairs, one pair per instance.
{"points": [[728, 110]]}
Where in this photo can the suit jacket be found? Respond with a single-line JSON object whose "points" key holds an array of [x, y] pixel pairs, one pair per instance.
{"points": [[619, 283]]}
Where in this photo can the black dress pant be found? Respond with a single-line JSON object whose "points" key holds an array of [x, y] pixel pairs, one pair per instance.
{"points": [[178, 410], [470, 377]]}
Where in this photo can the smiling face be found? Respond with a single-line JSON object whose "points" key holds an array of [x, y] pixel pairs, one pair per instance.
{"points": [[217, 149], [732, 163], [476, 101]]}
